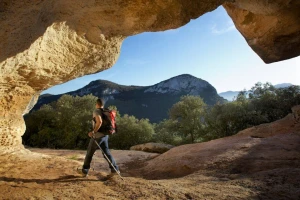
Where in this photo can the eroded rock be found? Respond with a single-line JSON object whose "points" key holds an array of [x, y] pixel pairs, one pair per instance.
{"points": [[45, 43], [262, 148], [272, 29], [152, 147]]}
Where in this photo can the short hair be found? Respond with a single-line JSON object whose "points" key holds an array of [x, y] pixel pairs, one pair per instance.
{"points": [[100, 102]]}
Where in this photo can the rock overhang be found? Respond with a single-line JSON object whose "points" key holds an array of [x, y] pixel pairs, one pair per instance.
{"points": [[44, 43]]}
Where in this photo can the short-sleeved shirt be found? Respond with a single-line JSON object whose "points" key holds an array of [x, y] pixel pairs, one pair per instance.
{"points": [[97, 112]]}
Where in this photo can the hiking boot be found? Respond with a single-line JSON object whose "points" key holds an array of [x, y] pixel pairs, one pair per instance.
{"points": [[83, 172]]}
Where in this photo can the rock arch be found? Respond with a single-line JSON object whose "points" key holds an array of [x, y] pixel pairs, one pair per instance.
{"points": [[48, 42]]}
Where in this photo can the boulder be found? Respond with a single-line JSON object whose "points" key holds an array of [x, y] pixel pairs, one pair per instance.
{"points": [[271, 28], [152, 147]]}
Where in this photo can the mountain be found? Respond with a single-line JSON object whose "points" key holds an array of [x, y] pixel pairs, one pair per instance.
{"points": [[283, 85], [152, 102], [230, 95]]}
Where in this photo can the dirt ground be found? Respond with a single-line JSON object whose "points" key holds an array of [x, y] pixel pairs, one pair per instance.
{"points": [[259, 163], [50, 174]]}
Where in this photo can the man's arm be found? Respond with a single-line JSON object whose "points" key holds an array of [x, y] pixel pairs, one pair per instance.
{"points": [[97, 124]]}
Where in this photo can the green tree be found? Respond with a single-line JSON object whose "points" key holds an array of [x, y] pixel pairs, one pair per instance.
{"points": [[131, 131], [166, 133], [272, 102], [65, 123], [36, 124], [265, 104], [188, 114], [287, 98], [228, 119], [61, 124]]}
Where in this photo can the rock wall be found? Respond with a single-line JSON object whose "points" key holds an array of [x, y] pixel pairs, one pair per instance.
{"points": [[48, 42], [271, 28]]}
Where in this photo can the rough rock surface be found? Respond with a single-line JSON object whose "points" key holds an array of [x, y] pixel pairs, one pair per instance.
{"points": [[152, 147], [268, 146], [44, 43], [233, 155], [289, 124], [47, 42], [271, 28]]}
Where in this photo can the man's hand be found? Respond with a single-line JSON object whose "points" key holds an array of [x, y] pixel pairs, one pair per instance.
{"points": [[91, 134]]}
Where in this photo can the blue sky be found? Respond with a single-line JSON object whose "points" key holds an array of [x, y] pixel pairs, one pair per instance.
{"points": [[209, 48]]}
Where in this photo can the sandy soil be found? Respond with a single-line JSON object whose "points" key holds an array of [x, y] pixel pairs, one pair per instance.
{"points": [[252, 165], [50, 174]]}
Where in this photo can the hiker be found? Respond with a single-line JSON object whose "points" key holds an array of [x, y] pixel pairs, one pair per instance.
{"points": [[102, 140]]}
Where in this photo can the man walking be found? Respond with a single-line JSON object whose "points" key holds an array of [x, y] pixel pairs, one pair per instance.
{"points": [[101, 139]]}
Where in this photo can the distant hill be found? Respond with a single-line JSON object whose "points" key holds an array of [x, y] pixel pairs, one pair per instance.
{"points": [[230, 95], [283, 85], [152, 102]]}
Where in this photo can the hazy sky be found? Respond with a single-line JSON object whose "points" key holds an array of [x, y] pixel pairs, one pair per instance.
{"points": [[209, 48]]}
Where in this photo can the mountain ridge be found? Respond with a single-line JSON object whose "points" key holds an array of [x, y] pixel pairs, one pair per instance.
{"points": [[152, 102]]}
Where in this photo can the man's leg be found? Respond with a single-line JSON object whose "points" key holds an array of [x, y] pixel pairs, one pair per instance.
{"points": [[89, 156], [105, 149]]}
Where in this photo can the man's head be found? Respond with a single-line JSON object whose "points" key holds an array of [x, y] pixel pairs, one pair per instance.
{"points": [[99, 103]]}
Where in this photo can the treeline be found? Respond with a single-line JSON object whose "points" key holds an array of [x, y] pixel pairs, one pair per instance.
{"points": [[65, 123]]}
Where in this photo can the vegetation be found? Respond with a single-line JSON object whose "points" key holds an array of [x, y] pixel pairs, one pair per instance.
{"points": [[65, 123], [61, 124], [264, 105], [131, 131], [188, 117]]}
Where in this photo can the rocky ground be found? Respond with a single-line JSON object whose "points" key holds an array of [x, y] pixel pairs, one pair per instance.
{"points": [[246, 166]]}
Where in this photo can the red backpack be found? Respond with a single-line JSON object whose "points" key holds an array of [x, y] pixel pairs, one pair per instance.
{"points": [[109, 125]]}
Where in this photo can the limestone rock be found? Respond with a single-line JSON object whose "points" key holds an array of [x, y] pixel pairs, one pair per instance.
{"points": [[272, 30], [264, 7], [254, 149], [152, 147], [232, 155], [45, 43], [48, 42]]}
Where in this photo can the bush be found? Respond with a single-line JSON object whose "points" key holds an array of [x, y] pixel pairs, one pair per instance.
{"points": [[131, 131], [65, 123], [188, 117], [165, 133], [192, 121], [61, 124]]}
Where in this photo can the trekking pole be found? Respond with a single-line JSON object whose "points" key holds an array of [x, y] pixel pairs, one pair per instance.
{"points": [[108, 159]]}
